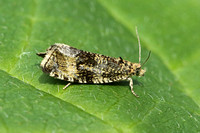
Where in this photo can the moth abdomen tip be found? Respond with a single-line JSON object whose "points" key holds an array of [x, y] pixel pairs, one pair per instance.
{"points": [[41, 54]]}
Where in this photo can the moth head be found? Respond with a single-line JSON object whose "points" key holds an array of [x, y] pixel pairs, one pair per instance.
{"points": [[139, 71], [137, 67]]}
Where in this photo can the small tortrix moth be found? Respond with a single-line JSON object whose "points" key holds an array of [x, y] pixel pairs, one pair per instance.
{"points": [[70, 64]]}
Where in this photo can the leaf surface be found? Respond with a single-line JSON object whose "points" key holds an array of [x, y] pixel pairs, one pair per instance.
{"points": [[169, 100]]}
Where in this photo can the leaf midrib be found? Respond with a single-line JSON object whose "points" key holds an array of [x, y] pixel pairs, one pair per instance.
{"points": [[93, 115]]}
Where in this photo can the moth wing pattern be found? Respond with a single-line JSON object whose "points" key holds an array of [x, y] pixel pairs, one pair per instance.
{"points": [[59, 62], [67, 63]]}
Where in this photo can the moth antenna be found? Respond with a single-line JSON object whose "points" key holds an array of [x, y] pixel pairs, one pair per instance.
{"points": [[146, 58], [139, 44]]}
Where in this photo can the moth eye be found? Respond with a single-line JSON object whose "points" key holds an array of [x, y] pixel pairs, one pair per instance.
{"points": [[138, 71]]}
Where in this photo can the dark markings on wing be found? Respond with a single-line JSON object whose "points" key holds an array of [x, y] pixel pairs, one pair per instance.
{"points": [[108, 67], [86, 58], [84, 61]]}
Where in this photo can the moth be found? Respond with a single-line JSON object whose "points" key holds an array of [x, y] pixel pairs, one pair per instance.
{"points": [[71, 64]]}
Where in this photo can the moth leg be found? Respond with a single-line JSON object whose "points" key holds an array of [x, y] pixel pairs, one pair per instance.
{"points": [[131, 85], [66, 86]]}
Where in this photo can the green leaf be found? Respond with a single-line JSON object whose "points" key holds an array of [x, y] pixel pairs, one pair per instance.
{"points": [[31, 101], [24, 108]]}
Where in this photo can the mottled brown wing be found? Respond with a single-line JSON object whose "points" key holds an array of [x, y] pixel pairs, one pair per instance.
{"points": [[74, 65], [96, 68], [60, 62]]}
